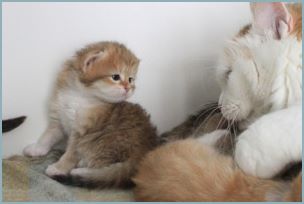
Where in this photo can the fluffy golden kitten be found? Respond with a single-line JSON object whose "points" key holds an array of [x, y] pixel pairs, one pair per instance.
{"points": [[187, 170], [107, 136]]}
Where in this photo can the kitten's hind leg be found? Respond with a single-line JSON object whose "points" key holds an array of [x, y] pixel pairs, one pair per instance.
{"points": [[49, 138], [211, 138]]}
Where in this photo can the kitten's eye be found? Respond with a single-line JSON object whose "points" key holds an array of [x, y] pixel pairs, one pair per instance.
{"points": [[131, 79], [116, 77]]}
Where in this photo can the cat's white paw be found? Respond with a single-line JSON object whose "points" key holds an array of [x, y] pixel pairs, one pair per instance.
{"points": [[256, 157], [52, 170], [35, 150], [79, 171], [211, 138]]}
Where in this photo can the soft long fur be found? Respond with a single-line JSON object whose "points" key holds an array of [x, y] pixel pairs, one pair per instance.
{"points": [[260, 74], [106, 135], [187, 170]]}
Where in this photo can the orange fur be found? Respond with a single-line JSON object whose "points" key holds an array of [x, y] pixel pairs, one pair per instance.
{"points": [[189, 171], [186, 170], [115, 58], [106, 136], [296, 13], [295, 193]]}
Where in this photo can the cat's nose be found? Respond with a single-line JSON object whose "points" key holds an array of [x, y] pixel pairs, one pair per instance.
{"points": [[126, 88]]}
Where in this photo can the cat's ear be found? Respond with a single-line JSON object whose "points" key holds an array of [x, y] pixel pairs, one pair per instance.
{"points": [[272, 17], [91, 59]]}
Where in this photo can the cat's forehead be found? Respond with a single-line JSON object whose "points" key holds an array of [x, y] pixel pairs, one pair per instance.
{"points": [[106, 68], [119, 60], [113, 52], [105, 59], [256, 47], [116, 65]]}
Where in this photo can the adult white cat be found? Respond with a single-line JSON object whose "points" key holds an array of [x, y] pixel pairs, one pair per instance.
{"points": [[260, 74]]}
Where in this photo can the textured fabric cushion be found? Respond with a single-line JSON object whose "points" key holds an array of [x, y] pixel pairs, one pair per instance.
{"points": [[24, 180]]}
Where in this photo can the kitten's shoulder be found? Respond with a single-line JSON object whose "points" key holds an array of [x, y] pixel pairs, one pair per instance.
{"points": [[132, 108]]}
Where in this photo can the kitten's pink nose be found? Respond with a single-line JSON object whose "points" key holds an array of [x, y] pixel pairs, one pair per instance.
{"points": [[126, 88]]}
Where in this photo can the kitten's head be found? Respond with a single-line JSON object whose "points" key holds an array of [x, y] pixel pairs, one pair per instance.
{"points": [[253, 65], [108, 71]]}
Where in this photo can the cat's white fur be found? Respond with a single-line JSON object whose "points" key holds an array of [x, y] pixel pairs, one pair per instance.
{"points": [[71, 103], [261, 81], [266, 75], [271, 142]]}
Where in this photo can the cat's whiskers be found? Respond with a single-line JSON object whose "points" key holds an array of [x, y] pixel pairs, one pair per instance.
{"points": [[231, 124], [209, 106], [206, 120], [234, 134], [219, 123]]}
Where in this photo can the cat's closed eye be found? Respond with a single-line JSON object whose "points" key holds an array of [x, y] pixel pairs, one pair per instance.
{"points": [[228, 72]]}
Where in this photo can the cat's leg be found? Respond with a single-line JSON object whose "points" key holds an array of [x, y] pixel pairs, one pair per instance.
{"points": [[49, 138], [270, 143], [67, 161], [211, 138]]}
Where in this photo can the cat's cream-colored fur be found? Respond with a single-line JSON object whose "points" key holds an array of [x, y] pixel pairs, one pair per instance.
{"points": [[260, 74], [187, 170]]}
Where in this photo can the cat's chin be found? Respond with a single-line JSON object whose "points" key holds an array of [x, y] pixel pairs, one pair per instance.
{"points": [[114, 99]]}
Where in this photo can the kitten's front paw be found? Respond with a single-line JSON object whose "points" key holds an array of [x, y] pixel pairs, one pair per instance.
{"points": [[35, 150], [52, 170], [256, 157]]}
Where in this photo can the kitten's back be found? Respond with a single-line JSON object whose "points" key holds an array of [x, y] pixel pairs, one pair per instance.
{"points": [[188, 171], [112, 148]]}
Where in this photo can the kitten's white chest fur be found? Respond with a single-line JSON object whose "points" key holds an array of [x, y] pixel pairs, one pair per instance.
{"points": [[73, 107]]}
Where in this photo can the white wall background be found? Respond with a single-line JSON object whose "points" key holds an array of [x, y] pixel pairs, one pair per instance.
{"points": [[176, 42]]}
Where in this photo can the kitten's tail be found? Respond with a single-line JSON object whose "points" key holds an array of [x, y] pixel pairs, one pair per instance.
{"points": [[116, 175], [10, 124]]}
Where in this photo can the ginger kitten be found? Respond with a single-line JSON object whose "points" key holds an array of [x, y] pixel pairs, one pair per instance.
{"points": [[107, 136], [187, 170]]}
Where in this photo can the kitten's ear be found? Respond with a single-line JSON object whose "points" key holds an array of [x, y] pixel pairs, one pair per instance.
{"points": [[272, 16], [90, 59]]}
